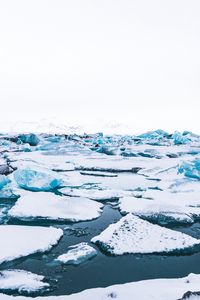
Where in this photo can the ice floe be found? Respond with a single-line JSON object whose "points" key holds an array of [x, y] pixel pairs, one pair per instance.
{"points": [[95, 194], [77, 254], [156, 289], [99, 174], [19, 241], [134, 235], [163, 206], [48, 206], [21, 281]]}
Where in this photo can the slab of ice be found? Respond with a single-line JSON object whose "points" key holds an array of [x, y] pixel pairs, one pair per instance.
{"points": [[159, 211], [19, 241], [37, 159], [21, 281], [36, 181], [155, 289], [43, 205], [108, 165], [95, 194], [78, 254], [134, 235], [100, 174]]}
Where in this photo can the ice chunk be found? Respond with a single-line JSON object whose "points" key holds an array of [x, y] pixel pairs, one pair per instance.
{"points": [[180, 139], [78, 254], [154, 134], [18, 241], [190, 169], [3, 181], [36, 181], [156, 289], [21, 281], [49, 206], [30, 139], [134, 235]]}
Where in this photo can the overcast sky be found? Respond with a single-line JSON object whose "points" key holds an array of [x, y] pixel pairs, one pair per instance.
{"points": [[127, 61]]}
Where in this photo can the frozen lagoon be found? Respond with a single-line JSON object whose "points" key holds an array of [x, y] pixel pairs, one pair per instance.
{"points": [[138, 175]]}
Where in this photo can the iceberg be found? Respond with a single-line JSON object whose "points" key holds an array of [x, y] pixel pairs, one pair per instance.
{"points": [[77, 254], [21, 281], [132, 235], [4, 181], [36, 181], [48, 206], [180, 139], [190, 169], [31, 139], [153, 134], [19, 241]]}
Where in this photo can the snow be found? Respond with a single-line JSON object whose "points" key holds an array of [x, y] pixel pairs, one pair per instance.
{"points": [[134, 235], [155, 289], [77, 254], [19, 241], [21, 281], [44, 205], [36, 181]]}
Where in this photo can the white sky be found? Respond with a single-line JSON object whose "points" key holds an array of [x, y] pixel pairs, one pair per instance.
{"points": [[127, 61]]}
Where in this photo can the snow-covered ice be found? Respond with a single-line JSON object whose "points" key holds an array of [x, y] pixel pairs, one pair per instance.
{"points": [[19, 241], [95, 194], [77, 254], [44, 205], [21, 281], [155, 289], [134, 235], [163, 206]]}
